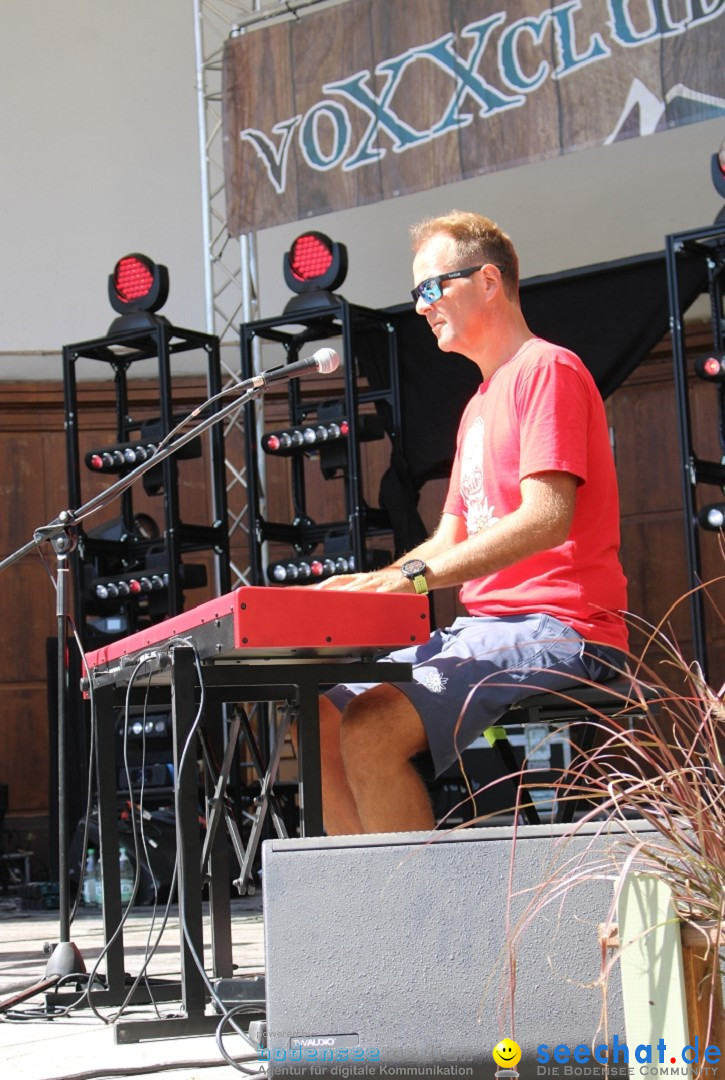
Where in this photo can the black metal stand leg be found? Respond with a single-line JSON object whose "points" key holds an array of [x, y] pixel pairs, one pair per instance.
{"points": [[66, 958], [220, 910], [309, 761], [188, 837], [266, 803], [275, 809], [216, 809], [263, 804], [108, 833], [570, 806], [497, 739], [214, 865]]}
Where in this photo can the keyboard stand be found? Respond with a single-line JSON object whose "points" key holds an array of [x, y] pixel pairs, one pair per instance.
{"points": [[175, 679]]}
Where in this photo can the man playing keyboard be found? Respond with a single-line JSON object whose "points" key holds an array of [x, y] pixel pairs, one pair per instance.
{"points": [[529, 531]]}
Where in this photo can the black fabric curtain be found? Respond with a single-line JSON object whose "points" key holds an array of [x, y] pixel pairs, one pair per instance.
{"points": [[611, 314]]}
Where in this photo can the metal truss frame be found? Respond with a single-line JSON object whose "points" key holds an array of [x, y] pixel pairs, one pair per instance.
{"points": [[229, 263], [230, 270]]}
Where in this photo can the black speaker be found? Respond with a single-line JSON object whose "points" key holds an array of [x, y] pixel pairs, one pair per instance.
{"points": [[389, 952], [157, 857]]}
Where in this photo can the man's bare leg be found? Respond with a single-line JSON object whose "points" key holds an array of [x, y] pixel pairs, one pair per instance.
{"points": [[380, 733], [339, 812]]}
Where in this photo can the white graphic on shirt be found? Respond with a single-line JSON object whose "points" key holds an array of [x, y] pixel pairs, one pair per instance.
{"points": [[432, 680], [479, 515]]}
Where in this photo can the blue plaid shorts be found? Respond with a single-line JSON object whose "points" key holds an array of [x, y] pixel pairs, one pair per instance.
{"points": [[467, 675]]}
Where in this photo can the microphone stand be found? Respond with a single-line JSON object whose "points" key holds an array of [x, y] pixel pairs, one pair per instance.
{"points": [[66, 958]]}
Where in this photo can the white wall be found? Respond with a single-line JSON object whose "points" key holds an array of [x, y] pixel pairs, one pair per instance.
{"points": [[98, 120]]}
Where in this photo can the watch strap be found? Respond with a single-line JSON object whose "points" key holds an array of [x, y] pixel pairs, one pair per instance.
{"points": [[421, 585]]}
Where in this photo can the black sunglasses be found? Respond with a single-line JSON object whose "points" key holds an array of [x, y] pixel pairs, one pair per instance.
{"points": [[430, 289]]}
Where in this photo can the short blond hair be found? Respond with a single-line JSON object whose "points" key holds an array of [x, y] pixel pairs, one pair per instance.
{"points": [[477, 239]]}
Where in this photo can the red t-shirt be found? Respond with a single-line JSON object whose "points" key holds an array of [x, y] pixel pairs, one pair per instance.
{"points": [[541, 412]]}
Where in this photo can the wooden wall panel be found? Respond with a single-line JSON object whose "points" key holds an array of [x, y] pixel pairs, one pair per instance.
{"points": [[24, 748], [644, 422], [27, 618], [33, 487], [643, 409], [30, 461], [653, 556]]}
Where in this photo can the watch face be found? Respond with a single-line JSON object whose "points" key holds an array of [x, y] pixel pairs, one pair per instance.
{"points": [[413, 567]]}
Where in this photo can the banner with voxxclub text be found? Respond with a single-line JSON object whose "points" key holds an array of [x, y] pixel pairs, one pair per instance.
{"points": [[376, 98]]}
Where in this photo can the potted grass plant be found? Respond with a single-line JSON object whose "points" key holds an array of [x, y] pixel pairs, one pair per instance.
{"points": [[657, 772]]}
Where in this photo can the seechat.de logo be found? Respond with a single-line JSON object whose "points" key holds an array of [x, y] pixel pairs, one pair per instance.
{"points": [[645, 1059]]}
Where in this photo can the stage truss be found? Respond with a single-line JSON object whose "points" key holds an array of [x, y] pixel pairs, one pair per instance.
{"points": [[230, 272]]}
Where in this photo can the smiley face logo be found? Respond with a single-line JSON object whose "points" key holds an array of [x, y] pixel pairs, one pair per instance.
{"points": [[507, 1054]]}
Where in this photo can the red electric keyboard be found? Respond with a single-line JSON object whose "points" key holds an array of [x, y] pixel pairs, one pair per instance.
{"points": [[267, 623]]}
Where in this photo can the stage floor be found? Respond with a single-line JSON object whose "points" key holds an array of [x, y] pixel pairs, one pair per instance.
{"points": [[82, 1045]]}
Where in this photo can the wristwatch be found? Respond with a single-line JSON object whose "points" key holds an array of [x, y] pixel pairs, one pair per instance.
{"points": [[415, 570]]}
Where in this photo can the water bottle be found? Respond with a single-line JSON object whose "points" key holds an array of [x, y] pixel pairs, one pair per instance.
{"points": [[99, 880], [127, 876], [89, 880]]}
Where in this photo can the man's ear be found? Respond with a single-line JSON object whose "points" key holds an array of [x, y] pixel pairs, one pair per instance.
{"points": [[492, 277]]}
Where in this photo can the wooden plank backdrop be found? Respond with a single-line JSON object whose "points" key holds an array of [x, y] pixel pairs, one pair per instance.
{"points": [[372, 99], [425, 89], [522, 133]]}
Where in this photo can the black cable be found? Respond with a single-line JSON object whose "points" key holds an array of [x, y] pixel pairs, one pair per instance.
{"points": [[227, 1014], [150, 950], [178, 866], [93, 978], [127, 771], [124, 918], [134, 675], [14, 1016], [147, 855], [86, 995], [46, 1013], [148, 956], [244, 1007]]}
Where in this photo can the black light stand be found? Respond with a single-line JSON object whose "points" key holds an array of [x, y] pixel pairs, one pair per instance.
{"points": [[707, 246]]}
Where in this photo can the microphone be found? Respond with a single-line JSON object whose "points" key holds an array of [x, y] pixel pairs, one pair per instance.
{"points": [[323, 362]]}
